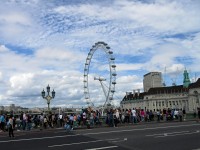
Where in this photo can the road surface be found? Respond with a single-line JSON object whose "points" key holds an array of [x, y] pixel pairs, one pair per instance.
{"points": [[151, 136]]}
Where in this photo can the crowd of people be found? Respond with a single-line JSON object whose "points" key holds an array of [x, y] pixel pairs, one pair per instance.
{"points": [[89, 118], [115, 116], [27, 121]]}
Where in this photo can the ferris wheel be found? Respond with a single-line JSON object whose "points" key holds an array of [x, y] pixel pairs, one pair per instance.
{"points": [[109, 88]]}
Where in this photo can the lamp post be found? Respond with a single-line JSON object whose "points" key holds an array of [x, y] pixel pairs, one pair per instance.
{"points": [[48, 97]]}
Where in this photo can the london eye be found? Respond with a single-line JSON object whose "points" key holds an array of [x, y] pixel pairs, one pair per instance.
{"points": [[107, 79]]}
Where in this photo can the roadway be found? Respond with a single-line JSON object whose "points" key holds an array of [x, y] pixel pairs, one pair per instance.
{"points": [[151, 136]]}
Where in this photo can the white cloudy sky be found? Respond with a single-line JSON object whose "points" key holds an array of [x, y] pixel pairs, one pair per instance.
{"points": [[47, 41]]}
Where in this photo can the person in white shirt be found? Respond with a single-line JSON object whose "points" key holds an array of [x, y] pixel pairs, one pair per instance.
{"points": [[117, 114], [134, 116], [61, 120], [176, 114], [84, 118]]}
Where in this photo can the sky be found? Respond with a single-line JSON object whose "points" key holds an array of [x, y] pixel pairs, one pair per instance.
{"points": [[47, 42]]}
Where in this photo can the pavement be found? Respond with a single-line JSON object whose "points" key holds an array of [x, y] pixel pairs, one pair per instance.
{"points": [[146, 135]]}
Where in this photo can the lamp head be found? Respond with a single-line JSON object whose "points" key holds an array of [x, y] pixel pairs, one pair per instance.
{"points": [[48, 88], [43, 93], [53, 93]]}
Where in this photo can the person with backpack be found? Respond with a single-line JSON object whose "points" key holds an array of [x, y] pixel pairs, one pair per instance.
{"points": [[10, 125]]}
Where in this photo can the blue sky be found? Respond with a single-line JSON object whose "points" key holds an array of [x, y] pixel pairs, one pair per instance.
{"points": [[46, 42]]}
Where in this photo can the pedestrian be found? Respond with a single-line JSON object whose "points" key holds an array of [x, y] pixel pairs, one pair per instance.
{"points": [[158, 115], [176, 114], [184, 114], [29, 122], [198, 109], [84, 115], [21, 121], [111, 118], [61, 120], [24, 121], [180, 115], [10, 126], [195, 113], [116, 117], [71, 120], [134, 116], [2, 122], [45, 122], [142, 114]]}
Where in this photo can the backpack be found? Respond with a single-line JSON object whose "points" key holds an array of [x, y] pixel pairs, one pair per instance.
{"points": [[8, 125]]}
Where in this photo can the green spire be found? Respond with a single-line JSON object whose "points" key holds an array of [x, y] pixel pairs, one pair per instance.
{"points": [[186, 80]]}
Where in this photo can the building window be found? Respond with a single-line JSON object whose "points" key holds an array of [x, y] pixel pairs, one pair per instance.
{"points": [[163, 104], [170, 103]]}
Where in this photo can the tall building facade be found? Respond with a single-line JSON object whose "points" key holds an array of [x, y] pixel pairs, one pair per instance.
{"points": [[152, 80]]}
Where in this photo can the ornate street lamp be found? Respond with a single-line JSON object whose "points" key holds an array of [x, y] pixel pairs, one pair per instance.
{"points": [[48, 97]]}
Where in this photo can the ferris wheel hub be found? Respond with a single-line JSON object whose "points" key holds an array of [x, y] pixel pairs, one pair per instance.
{"points": [[100, 78]]}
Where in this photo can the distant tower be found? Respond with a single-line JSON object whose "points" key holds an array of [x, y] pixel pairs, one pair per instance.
{"points": [[152, 80], [186, 80]]}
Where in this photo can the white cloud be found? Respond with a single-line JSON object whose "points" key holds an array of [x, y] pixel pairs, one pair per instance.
{"points": [[127, 79], [59, 54], [122, 67], [165, 16], [15, 18], [3, 48], [21, 81], [1, 76]]}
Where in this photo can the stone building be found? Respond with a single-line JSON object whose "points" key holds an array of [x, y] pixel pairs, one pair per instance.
{"points": [[186, 96]]}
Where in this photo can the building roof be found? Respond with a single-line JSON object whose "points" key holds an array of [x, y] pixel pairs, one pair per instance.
{"points": [[163, 90], [151, 73], [134, 96], [167, 90], [195, 84]]}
